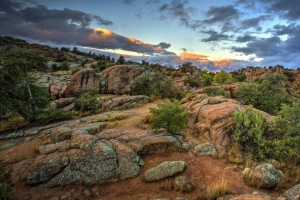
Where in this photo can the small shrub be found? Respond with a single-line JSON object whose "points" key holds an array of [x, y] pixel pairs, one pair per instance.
{"points": [[192, 81], [64, 66], [86, 102], [189, 96], [148, 118], [169, 115], [222, 77], [215, 91], [6, 191], [53, 115], [216, 190]]}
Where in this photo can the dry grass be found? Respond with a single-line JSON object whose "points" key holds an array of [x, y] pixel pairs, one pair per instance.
{"points": [[235, 154], [189, 96], [216, 190], [148, 118], [14, 122], [290, 178]]}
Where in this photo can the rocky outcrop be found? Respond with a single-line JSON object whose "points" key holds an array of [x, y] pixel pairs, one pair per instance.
{"points": [[119, 79], [60, 103], [164, 170], [265, 175], [124, 102], [183, 184], [211, 118], [293, 193], [205, 149], [82, 81]]}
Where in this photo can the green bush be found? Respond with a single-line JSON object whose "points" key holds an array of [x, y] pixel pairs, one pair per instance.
{"points": [[249, 132], [222, 77], [6, 191], [215, 91], [169, 115], [86, 102], [208, 79], [53, 115], [64, 66], [193, 81]]}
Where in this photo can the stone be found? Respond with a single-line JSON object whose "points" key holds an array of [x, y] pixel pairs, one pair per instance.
{"points": [[165, 170], [183, 184], [124, 102], [82, 81], [92, 128], [85, 142], [50, 148], [160, 144], [205, 149], [19, 169], [254, 196], [60, 103], [87, 193], [45, 167], [293, 193]]}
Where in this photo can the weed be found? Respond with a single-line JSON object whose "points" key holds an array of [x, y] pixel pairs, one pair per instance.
{"points": [[216, 190]]}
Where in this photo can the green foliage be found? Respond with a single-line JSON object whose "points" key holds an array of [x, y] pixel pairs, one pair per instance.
{"points": [[215, 91], [18, 92], [6, 191], [64, 66], [86, 102], [156, 84], [193, 81], [266, 96], [239, 77], [101, 65], [222, 77], [208, 79], [250, 127], [169, 115], [53, 115], [121, 60]]}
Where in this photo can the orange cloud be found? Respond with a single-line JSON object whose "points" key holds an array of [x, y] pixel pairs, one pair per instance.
{"points": [[192, 56], [223, 62], [134, 40]]}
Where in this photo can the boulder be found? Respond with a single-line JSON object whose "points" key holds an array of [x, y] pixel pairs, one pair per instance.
{"points": [[265, 175], [85, 142], [124, 102], [45, 167], [82, 81], [19, 169], [160, 144], [211, 118], [183, 184], [165, 170], [293, 193], [113, 80], [60, 103], [50, 148], [207, 148], [254, 196]]}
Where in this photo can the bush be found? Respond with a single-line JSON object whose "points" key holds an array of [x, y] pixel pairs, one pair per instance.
{"points": [[208, 79], [216, 190], [169, 115], [53, 115], [249, 132], [222, 77], [194, 82], [215, 91], [64, 66], [86, 102], [6, 191]]}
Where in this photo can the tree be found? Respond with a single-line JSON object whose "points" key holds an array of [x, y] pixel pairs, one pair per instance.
{"points": [[223, 77], [121, 60], [169, 115], [18, 92]]}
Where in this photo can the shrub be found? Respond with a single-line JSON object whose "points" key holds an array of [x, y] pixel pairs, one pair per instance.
{"points": [[64, 66], [6, 191], [208, 79], [194, 82], [189, 96], [215, 91], [222, 77], [86, 102], [169, 115], [249, 132], [216, 190], [53, 115]]}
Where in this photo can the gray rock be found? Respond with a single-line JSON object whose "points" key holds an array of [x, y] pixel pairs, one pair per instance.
{"points": [[207, 148], [183, 184], [50, 148], [87, 193], [164, 170], [160, 144], [293, 193], [84, 142], [60, 103]]}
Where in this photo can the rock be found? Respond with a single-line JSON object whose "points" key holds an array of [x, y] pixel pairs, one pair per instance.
{"points": [[205, 149], [160, 144], [85, 142], [45, 167], [129, 162], [61, 133], [113, 80], [19, 169], [254, 196], [50, 148], [293, 193], [92, 128], [183, 184], [265, 175], [82, 81], [124, 102], [60, 103], [211, 118], [165, 170], [87, 193]]}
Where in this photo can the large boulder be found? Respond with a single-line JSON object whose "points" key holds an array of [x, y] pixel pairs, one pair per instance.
{"points": [[165, 170], [211, 118], [207, 148], [113, 80], [293, 193], [265, 175], [82, 81], [125, 102]]}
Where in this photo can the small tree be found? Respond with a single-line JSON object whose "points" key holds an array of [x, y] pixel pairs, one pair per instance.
{"points": [[121, 60], [223, 77], [169, 115]]}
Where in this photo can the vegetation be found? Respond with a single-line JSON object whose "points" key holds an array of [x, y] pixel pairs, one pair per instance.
{"points": [[222, 77], [18, 92], [193, 81], [169, 115], [217, 190], [52, 115], [64, 66], [6, 189], [86, 102], [215, 91]]}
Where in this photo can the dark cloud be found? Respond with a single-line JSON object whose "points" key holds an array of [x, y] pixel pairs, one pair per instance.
{"points": [[221, 14], [152, 1], [214, 36], [68, 27], [128, 1], [245, 38], [255, 22], [184, 49], [291, 29]]}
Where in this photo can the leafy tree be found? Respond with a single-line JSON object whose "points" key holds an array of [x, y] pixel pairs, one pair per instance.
{"points": [[222, 77], [193, 81], [169, 115], [64, 66], [249, 132], [215, 91], [18, 92], [121, 60], [208, 79]]}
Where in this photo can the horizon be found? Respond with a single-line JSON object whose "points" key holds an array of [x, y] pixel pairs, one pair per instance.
{"points": [[214, 35]]}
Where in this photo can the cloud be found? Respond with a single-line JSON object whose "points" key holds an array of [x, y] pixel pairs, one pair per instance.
{"points": [[221, 14], [255, 22], [164, 45], [130, 2], [245, 38], [183, 49], [214, 36]]}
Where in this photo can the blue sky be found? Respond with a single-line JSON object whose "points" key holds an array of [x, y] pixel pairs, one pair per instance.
{"points": [[215, 35]]}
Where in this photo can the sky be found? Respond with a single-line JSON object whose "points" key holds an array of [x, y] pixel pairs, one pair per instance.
{"points": [[214, 35]]}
